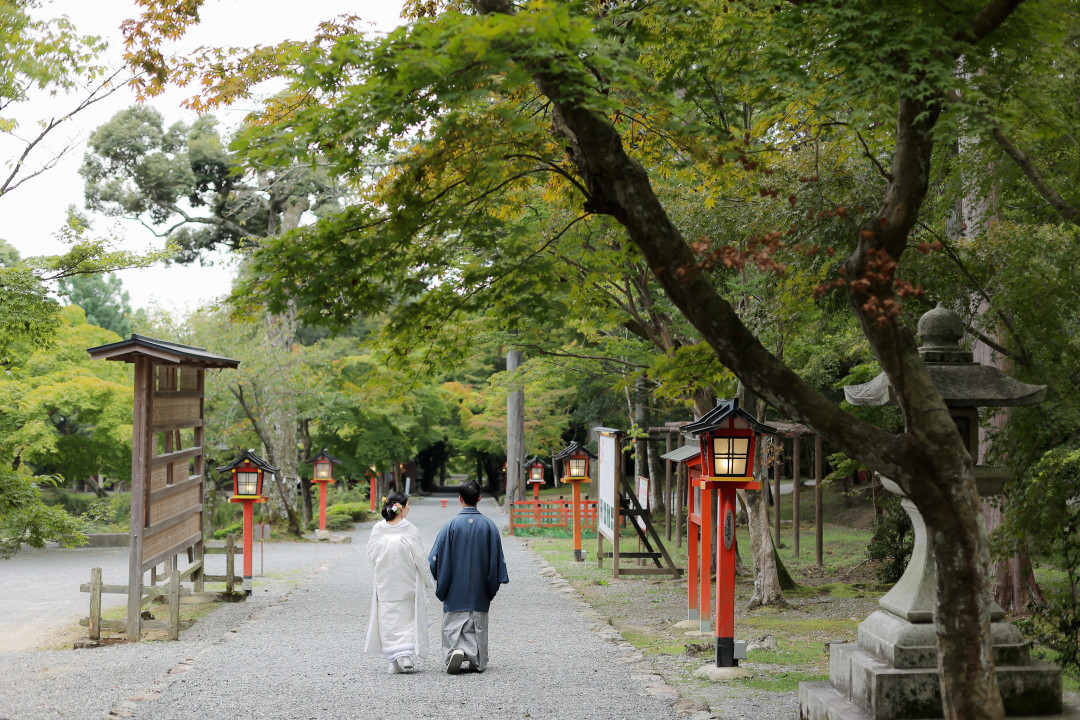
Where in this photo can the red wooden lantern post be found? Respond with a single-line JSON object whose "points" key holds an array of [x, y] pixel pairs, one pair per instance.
{"points": [[247, 472], [324, 464], [698, 546], [727, 435], [373, 478], [534, 467], [575, 459]]}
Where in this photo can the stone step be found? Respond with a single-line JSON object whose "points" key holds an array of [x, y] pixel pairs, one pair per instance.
{"points": [[884, 691], [821, 701]]}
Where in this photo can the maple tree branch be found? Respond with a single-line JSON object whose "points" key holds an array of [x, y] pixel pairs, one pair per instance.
{"points": [[578, 356], [988, 20], [1018, 156], [866, 151], [99, 93]]}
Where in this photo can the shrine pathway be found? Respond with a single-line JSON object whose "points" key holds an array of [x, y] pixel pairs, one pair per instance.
{"points": [[294, 651]]}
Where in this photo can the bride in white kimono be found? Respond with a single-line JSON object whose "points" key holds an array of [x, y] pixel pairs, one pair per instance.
{"points": [[398, 628]]}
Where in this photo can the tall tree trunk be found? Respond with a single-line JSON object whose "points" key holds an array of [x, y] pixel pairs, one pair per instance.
{"points": [[515, 431], [767, 588], [657, 475], [305, 483]]}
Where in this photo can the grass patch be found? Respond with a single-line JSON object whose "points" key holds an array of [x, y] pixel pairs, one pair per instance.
{"points": [[798, 655], [785, 682], [650, 644]]}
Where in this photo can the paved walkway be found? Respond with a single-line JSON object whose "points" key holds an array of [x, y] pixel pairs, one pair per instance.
{"points": [[294, 651]]}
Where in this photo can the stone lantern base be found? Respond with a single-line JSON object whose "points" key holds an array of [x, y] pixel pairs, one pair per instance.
{"points": [[891, 673]]}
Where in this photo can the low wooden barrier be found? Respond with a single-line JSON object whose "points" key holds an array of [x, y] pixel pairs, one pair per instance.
{"points": [[550, 514], [170, 589]]}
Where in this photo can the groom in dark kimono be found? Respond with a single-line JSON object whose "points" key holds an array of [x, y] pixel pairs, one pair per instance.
{"points": [[467, 563]]}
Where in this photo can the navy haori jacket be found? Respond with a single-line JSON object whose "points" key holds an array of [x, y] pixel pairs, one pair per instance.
{"points": [[467, 562]]}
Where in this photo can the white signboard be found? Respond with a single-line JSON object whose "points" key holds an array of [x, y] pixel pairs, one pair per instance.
{"points": [[643, 498], [606, 462]]}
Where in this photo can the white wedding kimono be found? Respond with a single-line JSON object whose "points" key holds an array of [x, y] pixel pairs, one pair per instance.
{"points": [[398, 626]]}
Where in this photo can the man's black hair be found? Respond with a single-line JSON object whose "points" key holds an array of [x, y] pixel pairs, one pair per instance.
{"points": [[469, 492]]}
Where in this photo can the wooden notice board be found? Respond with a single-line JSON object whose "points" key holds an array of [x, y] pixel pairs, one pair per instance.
{"points": [[168, 460], [618, 500]]}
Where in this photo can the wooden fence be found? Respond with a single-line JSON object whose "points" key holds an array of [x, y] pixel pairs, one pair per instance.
{"points": [[170, 590], [550, 514]]}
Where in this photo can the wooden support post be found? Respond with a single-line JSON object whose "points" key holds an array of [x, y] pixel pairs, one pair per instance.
{"points": [[95, 603], [174, 604], [199, 578], [578, 555], [230, 563], [777, 465], [681, 488], [141, 451], [617, 520], [819, 480], [668, 514], [693, 557], [599, 548], [796, 477]]}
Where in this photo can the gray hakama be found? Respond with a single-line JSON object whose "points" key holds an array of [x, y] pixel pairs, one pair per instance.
{"points": [[467, 631]]}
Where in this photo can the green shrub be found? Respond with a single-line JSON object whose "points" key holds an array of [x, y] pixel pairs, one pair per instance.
{"points": [[357, 511], [1043, 514], [236, 529], [227, 513], [121, 506], [72, 503], [358, 493], [339, 521], [892, 541]]}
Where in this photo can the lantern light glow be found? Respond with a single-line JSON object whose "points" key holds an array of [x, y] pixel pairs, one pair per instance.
{"points": [[247, 482], [731, 456]]}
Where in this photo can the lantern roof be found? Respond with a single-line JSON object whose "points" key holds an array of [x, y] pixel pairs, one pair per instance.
{"points": [[535, 461], [324, 454], [960, 380], [251, 457], [719, 415], [162, 351], [574, 448], [682, 454]]}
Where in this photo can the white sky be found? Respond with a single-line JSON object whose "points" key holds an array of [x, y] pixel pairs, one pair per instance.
{"points": [[31, 215]]}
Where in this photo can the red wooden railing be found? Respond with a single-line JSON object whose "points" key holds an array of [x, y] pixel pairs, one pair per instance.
{"points": [[550, 513]]}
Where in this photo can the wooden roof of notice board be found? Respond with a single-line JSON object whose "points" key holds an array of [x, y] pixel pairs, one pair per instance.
{"points": [[162, 351], [790, 429], [682, 454]]}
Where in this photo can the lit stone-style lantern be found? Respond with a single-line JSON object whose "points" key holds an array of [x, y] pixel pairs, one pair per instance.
{"points": [[575, 471], [323, 473], [895, 657], [727, 435], [534, 469], [247, 471]]}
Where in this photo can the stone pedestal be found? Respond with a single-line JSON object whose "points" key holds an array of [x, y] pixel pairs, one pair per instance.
{"points": [[891, 672]]}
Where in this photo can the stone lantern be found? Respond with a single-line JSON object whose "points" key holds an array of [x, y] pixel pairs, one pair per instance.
{"points": [[891, 672]]}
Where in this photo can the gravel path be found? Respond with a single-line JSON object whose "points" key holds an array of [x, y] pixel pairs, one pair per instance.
{"points": [[293, 651]]}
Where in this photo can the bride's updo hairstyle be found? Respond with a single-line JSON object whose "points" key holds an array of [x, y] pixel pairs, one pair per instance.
{"points": [[393, 505]]}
